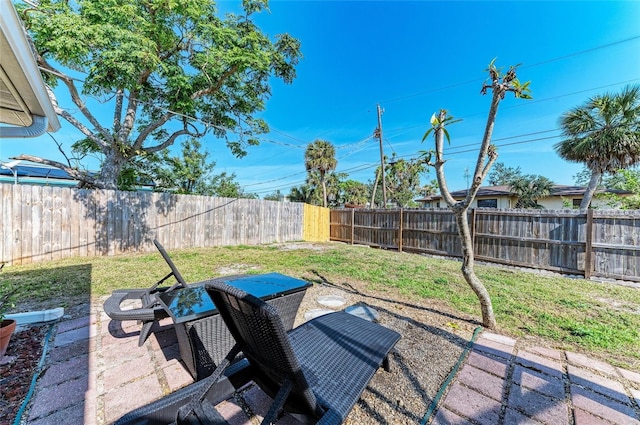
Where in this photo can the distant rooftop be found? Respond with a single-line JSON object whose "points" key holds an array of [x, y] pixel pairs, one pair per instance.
{"points": [[493, 191], [12, 172]]}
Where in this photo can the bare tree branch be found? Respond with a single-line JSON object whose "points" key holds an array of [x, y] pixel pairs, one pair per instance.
{"points": [[81, 175], [117, 112], [215, 88], [439, 164], [130, 117], [83, 129], [151, 128], [77, 100], [170, 140]]}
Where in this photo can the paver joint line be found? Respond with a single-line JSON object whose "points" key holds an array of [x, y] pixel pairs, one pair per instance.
{"points": [[568, 375], [530, 379]]}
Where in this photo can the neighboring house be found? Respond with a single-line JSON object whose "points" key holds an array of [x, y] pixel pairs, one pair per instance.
{"points": [[35, 174], [501, 197], [24, 99]]}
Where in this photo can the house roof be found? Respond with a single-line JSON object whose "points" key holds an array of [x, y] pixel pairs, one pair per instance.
{"points": [[35, 171], [495, 191], [24, 100]]}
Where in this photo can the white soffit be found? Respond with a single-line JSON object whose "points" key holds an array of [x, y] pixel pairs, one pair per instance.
{"points": [[24, 101]]}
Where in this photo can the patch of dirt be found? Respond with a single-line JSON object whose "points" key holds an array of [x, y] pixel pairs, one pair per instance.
{"points": [[619, 305], [15, 378], [302, 245], [236, 269]]}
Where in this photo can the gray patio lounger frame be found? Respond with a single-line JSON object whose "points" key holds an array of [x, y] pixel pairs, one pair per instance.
{"points": [[151, 311]]}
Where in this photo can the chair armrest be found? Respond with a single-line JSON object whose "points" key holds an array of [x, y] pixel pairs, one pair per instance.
{"points": [[114, 311]]}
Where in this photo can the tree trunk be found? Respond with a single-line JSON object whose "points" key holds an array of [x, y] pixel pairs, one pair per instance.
{"points": [[111, 169], [468, 258], [591, 189]]}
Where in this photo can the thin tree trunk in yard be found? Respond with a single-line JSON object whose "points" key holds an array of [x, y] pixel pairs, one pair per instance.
{"points": [[324, 193], [468, 271], [591, 189]]}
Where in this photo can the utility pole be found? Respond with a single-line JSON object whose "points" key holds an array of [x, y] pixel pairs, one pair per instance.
{"points": [[378, 133], [467, 175]]}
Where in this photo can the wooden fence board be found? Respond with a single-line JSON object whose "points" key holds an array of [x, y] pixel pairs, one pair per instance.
{"points": [[39, 223], [16, 217], [34, 255], [547, 239]]}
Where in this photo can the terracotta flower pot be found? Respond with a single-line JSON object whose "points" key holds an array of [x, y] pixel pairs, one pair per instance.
{"points": [[7, 326]]}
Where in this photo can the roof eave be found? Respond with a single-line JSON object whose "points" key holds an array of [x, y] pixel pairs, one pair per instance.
{"points": [[20, 68]]}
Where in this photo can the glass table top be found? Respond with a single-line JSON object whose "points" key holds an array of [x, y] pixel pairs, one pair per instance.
{"points": [[193, 302]]}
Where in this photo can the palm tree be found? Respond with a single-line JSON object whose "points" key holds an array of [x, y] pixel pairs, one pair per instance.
{"points": [[320, 156], [528, 189], [604, 134]]}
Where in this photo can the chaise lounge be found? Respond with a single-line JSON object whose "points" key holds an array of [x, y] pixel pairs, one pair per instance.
{"points": [[315, 372]]}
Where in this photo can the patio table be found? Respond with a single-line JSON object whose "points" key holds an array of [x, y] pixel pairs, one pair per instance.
{"points": [[203, 338]]}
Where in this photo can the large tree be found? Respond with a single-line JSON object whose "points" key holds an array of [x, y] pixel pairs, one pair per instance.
{"points": [[500, 84], [192, 173], [501, 175], [166, 69], [603, 134], [353, 192], [403, 180], [320, 157]]}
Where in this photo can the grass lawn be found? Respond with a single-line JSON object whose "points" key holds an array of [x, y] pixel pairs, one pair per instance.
{"points": [[602, 319]]}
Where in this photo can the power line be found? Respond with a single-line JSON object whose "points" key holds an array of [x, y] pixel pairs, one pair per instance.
{"points": [[544, 62], [582, 52]]}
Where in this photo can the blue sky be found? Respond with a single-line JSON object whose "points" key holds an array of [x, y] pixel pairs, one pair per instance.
{"points": [[414, 58]]}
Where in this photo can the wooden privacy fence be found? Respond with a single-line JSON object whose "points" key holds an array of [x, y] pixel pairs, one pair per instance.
{"points": [[40, 223], [602, 243], [316, 224]]}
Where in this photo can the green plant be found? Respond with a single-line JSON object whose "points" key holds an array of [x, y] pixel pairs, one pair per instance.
{"points": [[8, 295]]}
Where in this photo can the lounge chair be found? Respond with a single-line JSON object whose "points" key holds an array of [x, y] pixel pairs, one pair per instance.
{"points": [[150, 310], [316, 372]]}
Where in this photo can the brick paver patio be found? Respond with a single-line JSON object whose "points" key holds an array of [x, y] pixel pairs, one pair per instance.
{"points": [[96, 373]]}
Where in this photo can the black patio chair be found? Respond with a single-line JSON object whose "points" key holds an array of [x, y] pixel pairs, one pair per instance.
{"points": [[204, 395], [150, 310], [317, 371]]}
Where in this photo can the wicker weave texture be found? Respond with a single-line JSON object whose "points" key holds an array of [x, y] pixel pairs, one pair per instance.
{"points": [[205, 342], [328, 361]]}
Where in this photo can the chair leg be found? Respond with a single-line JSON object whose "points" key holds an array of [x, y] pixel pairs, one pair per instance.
{"points": [[278, 402], [144, 332], [386, 364]]}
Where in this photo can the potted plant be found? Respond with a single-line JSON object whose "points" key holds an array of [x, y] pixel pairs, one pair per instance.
{"points": [[7, 326]]}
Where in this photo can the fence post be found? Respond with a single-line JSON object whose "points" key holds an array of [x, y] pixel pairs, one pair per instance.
{"points": [[400, 231], [353, 221], [588, 248]]}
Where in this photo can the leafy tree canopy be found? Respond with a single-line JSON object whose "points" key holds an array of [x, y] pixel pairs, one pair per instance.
{"points": [[275, 196], [165, 69], [501, 175], [403, 180], [191, 173], [353, 192], [530, 188]]}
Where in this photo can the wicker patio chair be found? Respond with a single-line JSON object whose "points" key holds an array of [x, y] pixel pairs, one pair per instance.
{"points": [[150, 310], [204, 395], [317, 371]]}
